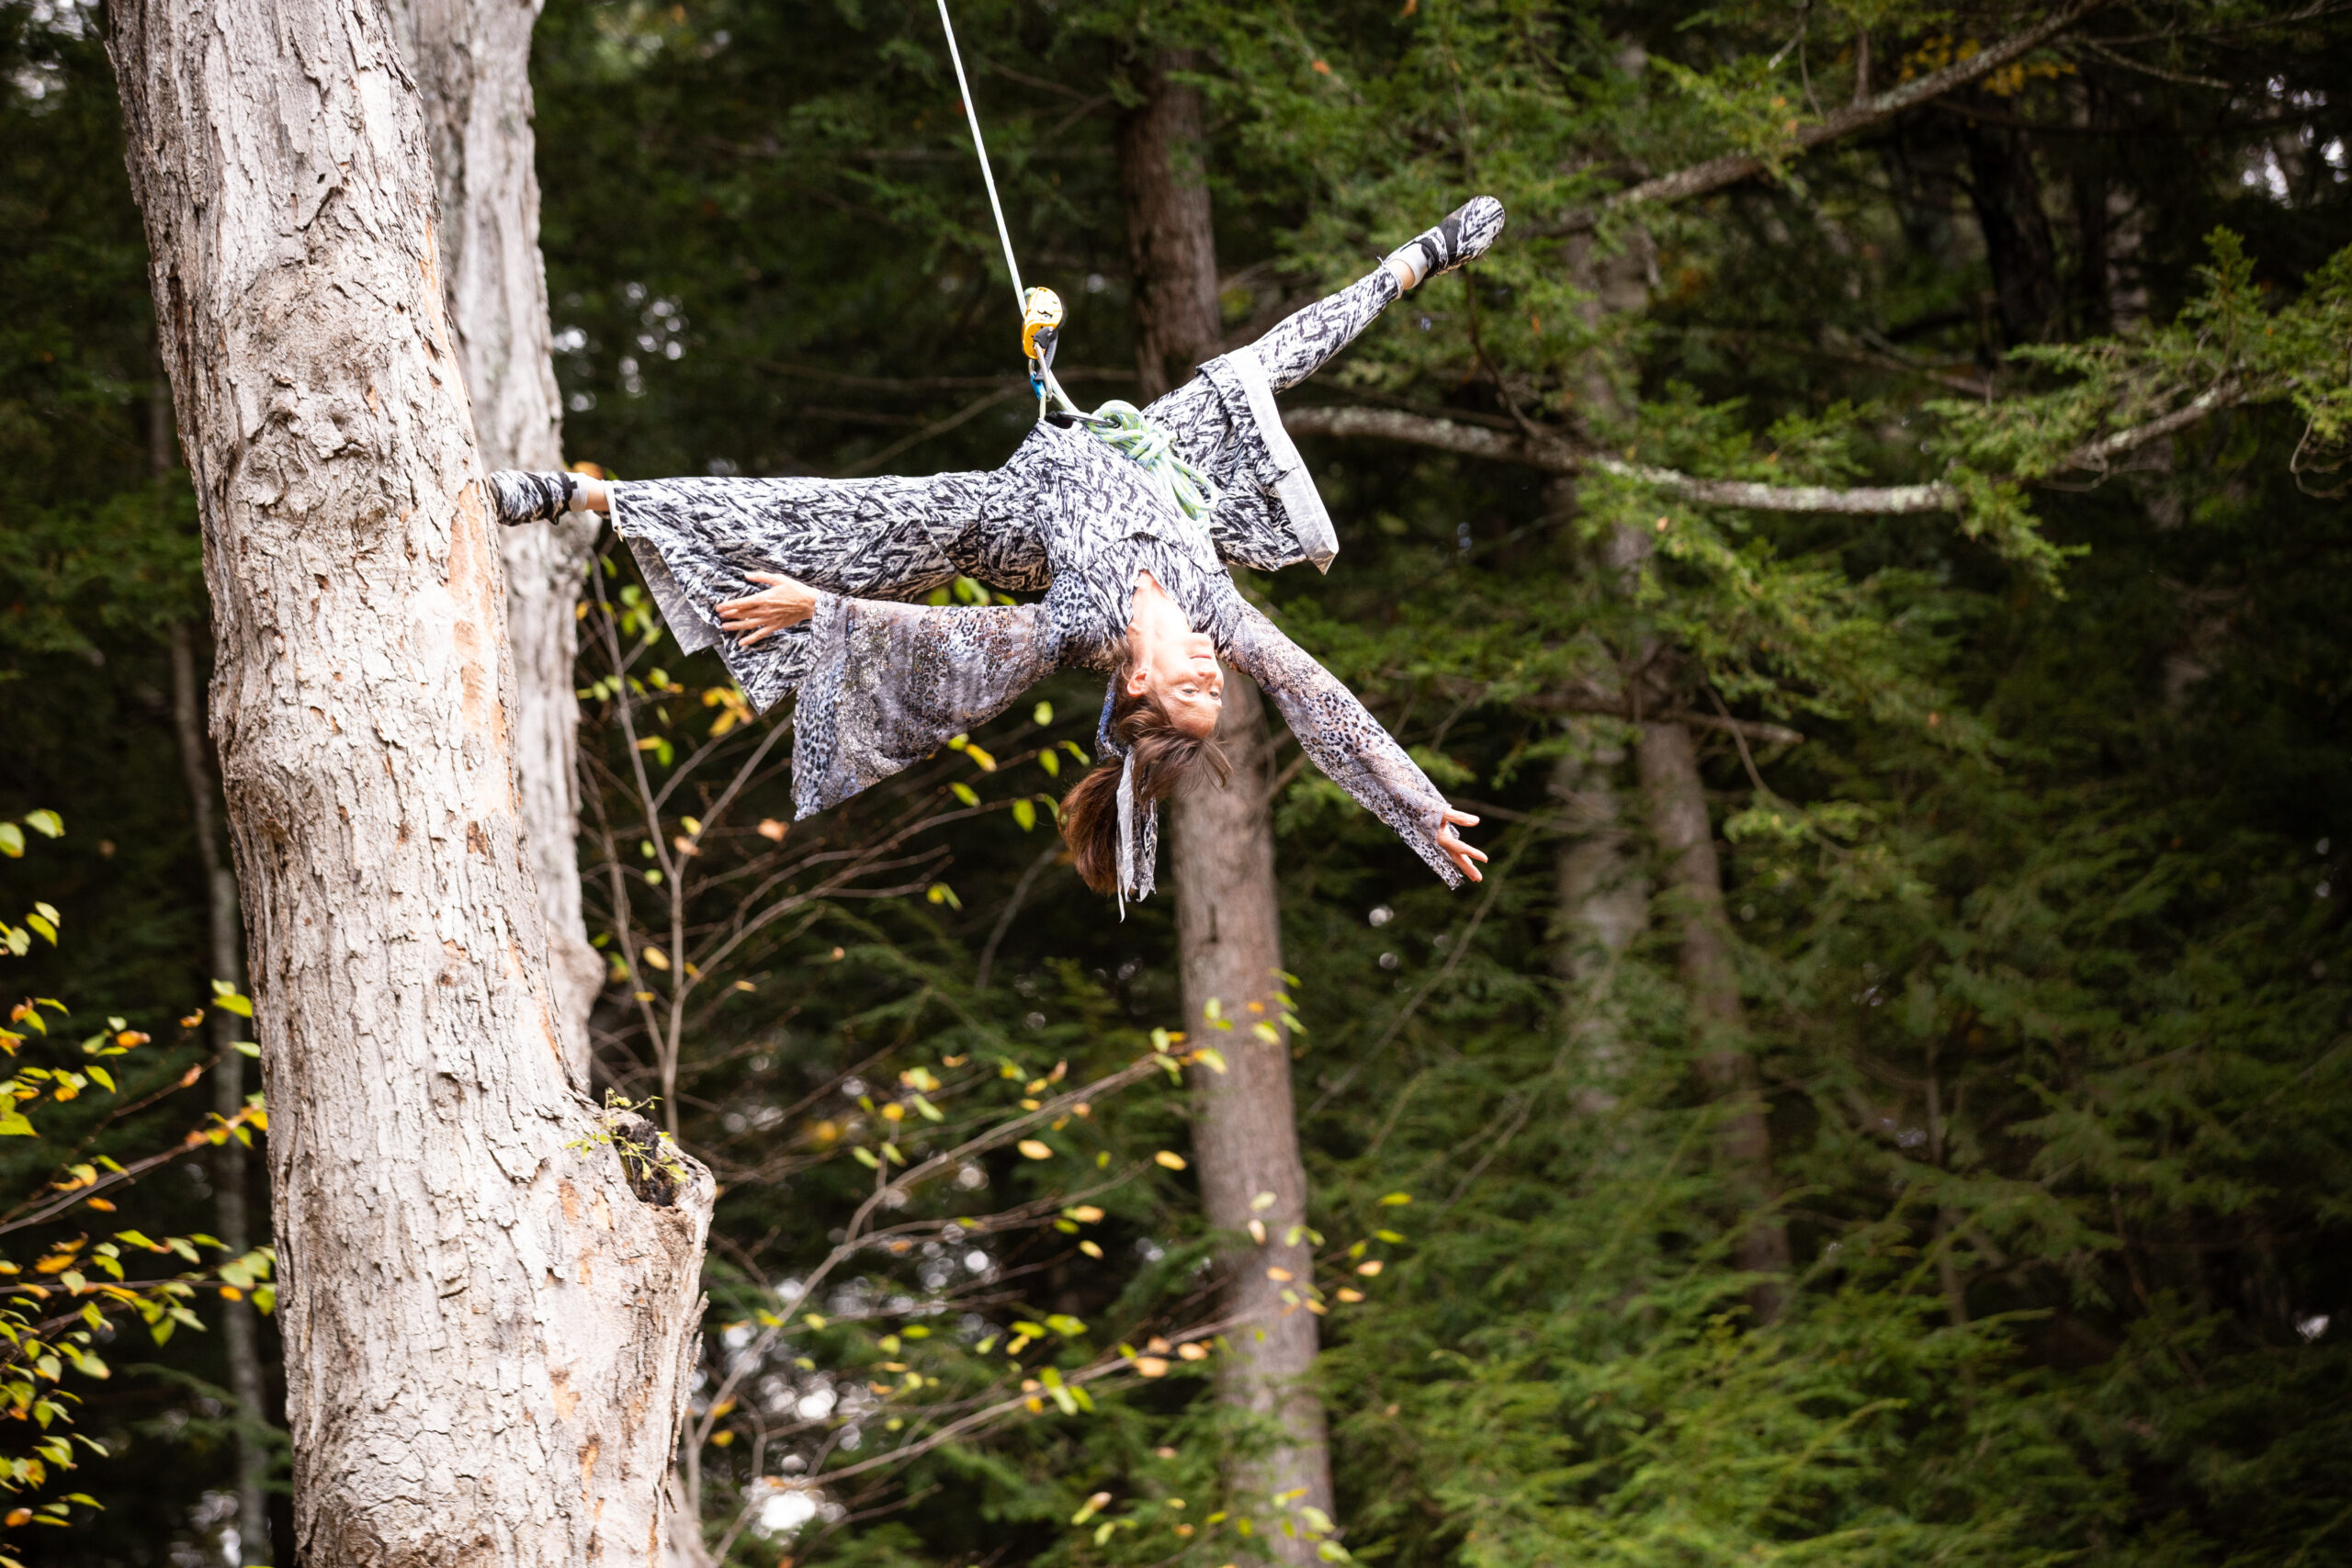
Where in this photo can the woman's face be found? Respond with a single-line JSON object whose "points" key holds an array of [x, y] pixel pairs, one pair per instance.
{"points": [[1176, 664]]}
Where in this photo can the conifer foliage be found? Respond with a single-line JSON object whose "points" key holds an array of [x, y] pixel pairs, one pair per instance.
{"points": [[1935, 413]]}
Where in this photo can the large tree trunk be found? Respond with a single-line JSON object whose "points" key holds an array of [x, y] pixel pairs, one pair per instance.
{"points": [[1163, 173], [1694, 886], [486, 1328], [471, 61], [1229, 915], [1245, 1135]]}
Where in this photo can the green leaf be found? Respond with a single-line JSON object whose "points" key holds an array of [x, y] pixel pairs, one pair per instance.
{"points": [[245, 1047], [47, 823], [13, 1125], [964, 793], [12, 840], [1025, 814]]}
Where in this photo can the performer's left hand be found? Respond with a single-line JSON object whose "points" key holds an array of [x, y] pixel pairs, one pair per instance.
{"points": [[1461, 854], [787, 601]]}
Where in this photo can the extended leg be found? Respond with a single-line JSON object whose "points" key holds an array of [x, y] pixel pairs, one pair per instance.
{"points": [[1299, 345]]}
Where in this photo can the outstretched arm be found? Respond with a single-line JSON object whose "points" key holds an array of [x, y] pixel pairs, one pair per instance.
{"points": [[1349, 744]]}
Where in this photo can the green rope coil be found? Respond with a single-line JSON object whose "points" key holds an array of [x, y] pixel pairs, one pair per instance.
{"points": [[1122, 426]]}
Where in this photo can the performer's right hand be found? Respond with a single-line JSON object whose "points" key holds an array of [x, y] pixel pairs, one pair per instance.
{"points": [[786, 602]]}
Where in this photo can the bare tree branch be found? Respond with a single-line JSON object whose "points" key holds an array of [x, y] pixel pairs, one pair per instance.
{"points": [[2096, 454], [1716, 172], [1537, 448], [1558, 457]]}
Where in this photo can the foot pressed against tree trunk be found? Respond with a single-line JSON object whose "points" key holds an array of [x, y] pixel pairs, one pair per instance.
{"points": [[486, 1326], [471, 61], [1694, 889], [1244, 1134]]}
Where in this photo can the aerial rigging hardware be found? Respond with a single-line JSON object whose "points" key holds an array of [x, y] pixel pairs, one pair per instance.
{"points": [[1120, 424]]}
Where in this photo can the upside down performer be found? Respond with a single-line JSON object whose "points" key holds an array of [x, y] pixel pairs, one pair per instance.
{"points": [[801, 585]]}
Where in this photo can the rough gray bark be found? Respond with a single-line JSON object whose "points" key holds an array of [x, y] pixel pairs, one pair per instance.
{"points": [[1694, 888], [486, 1327], [1245, 1132], [1171, 245], [471, 61]]}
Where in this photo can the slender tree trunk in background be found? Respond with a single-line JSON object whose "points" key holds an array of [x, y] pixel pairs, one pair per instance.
{"points": [[471, 61], [240, 1327], [1695, 885], [1601, 896], [231, 1222], [2093, 316], [486, 1327], [1602, 901], [1245, 1132], [2005, 190], [1228, 913], [1667, 766], [1172, 243]]}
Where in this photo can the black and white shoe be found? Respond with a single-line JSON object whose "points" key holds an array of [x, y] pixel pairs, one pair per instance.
{"points": [[1465, 235], [530, 498]]}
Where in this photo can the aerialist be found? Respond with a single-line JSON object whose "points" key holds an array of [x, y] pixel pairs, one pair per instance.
{"points": [[1129, 550]]}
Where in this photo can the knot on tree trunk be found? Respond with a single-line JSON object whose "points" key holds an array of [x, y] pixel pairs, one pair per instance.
{"points": [[650, 1163]]}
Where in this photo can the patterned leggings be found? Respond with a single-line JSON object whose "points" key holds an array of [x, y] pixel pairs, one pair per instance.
{"points": [[902, 538]]}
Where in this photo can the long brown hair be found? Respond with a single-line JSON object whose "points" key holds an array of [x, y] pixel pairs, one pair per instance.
{"points": [[1165, 758]]}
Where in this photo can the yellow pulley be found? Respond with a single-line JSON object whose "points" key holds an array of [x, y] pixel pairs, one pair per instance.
{"points": [[1040, 314]]}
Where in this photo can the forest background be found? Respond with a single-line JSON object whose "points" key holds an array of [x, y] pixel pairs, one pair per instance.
{"points": [[2025, 792]]}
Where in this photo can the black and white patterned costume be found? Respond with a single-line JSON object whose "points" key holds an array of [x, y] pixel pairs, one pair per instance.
{"points": [[883, 683]]}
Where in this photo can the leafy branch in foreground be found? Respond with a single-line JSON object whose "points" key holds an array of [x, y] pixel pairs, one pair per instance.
{"points": [[61, 1297]]}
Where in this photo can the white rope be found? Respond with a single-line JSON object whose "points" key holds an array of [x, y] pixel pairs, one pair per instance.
{"points": [[972, 116]]}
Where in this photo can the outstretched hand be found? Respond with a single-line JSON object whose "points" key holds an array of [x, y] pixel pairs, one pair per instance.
{"points": [[1461, 854], [786, 602]]}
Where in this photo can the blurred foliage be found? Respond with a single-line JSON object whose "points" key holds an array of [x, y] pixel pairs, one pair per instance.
{"points": [[2036, 926], [73, 1291]]}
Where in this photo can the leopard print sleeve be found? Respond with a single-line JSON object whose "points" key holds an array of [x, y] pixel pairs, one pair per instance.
{"points": [[1342, 738], [888, 683]]}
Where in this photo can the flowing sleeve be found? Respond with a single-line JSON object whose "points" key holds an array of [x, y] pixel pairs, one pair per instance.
{"points": [[889, 683], [1343, 739]]}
